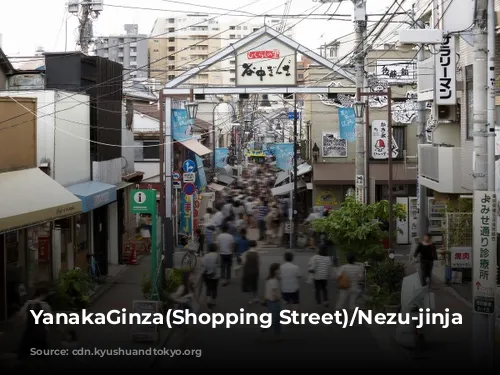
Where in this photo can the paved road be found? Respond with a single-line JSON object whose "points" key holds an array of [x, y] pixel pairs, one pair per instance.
{"points": [[301, 346]]}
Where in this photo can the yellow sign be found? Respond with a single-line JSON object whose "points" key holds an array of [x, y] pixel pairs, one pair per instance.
{"points": [[255, 154], [326, 198]]}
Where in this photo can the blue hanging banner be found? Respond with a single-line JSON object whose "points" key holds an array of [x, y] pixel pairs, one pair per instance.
{"points": [[347, 124], [201, 178], [283, 153], [221, 155], [181, 129]]}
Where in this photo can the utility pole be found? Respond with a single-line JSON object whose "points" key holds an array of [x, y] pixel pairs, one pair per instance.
{"points": [[483, 324], [359, 63], [293, 228], [86, 11], [241, 131], [422, 139], [491, 95]]}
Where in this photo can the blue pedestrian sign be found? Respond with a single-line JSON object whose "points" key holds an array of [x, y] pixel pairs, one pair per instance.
{"points": [[188, 166], [290, 115], [176, 176]]}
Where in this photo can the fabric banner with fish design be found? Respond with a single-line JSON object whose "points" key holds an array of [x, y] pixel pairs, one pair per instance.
{"points": [[347, 124], [181, 128], [380, 141]]}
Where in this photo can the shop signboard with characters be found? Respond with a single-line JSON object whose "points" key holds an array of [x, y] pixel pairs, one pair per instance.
{"points": [[380, 141]]}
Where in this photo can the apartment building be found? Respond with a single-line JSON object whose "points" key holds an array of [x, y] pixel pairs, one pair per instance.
{"points": [[129, 49], [180, 43], [446, 161]]}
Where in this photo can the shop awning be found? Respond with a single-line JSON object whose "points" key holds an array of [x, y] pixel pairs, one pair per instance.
{"points": [[195, 146], [94, 194], [29, 197], [226, 180], [286, 189], [282, 176], [215, 187], [303, 169]]}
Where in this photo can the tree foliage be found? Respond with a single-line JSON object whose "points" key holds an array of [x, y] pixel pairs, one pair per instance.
{"points": [[358, 229]]}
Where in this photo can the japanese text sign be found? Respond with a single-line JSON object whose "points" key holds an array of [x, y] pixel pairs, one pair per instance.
{"points": [[396, 71], [461, 257], [266, 62], [484, 272], [380, 141], [446, 91]]}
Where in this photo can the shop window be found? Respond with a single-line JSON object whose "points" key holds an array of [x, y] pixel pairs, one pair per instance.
{"points": [[81, 240], [11, 242], [39, 246]]}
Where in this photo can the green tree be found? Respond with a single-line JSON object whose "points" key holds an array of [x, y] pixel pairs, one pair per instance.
{"points": [[358, 229]]}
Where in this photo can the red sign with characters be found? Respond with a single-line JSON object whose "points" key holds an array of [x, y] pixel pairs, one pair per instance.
{"points": [[43, 249], [269, 54]]}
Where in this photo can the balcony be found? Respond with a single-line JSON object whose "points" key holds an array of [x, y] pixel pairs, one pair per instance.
{"points": [[441, 169]]}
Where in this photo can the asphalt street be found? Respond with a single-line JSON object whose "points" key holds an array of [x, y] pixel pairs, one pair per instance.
{"points": [[301, 346]]}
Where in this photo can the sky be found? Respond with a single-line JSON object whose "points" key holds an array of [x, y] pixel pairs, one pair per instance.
{"points": [[45, 23]]}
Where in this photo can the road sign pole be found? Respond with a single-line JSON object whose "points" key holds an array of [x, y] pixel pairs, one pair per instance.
{"points": [[144, 202], [192, 216]]}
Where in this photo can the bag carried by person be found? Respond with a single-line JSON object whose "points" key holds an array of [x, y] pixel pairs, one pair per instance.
{"points": [[343, 281]]}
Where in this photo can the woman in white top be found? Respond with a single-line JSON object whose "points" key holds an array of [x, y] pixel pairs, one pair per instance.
{"points": [[273, 296], [320, 266], [354, 274], [211, 273]]}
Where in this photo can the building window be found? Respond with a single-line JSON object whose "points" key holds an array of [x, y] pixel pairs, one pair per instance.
{"points": [[171, 58], [399, 135], [171, 20], [232, 62], [232, 80], [155, 50], [232, 36], [171, 67], [146, 150], [232, 27], [171, 77], [232, 71], [171, 39], [469, 97], [171, 49], [171, 29]]}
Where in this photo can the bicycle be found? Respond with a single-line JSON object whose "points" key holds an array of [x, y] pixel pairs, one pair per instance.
{"points": [[304, 236]]}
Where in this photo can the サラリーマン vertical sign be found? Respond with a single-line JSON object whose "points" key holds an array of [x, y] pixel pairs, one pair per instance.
{"points": [[446, 69]]}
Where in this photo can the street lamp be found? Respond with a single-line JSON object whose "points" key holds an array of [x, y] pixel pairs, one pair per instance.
{"points": [[192, 110], [213, 130], [315, 152], [359, 109]]}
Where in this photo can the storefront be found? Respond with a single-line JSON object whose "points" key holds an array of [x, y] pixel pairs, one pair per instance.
{"points": [[96, 197], [31, 202]]}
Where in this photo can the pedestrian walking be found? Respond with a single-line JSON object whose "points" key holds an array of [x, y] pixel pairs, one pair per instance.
{"points": [[35, 336], [250, 275], [211, 274], [225, 243], [273, 297], [262, 211], [320, 266], [349, 277], [426, 250], [290, 281]]}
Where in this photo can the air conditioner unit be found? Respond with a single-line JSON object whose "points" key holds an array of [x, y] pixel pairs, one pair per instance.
{"points": [[448, 113]]}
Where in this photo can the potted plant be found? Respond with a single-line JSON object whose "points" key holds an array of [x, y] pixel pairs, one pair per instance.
{"points": [[358, 229], [392, 303]]}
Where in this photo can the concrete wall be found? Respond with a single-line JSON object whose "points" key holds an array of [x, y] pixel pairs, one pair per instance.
{"points": [[18, 143], [63, 133]]}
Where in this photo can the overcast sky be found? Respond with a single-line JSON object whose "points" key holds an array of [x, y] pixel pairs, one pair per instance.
{"points": [[26, 24]]}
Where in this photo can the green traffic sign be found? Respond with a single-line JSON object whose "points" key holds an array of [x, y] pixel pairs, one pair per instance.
{"points": [[143, 201]]}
